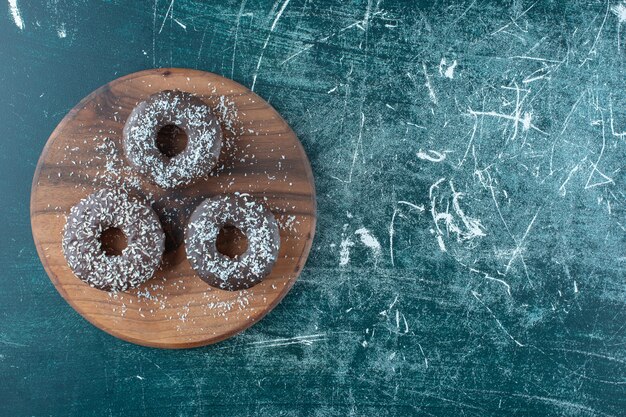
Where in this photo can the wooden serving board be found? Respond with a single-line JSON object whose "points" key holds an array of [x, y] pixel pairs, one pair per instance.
{"points": [[261, 155]]}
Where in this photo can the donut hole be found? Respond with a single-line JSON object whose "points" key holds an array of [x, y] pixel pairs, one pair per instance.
{"points": [[113, 241], [231, 241], [171, 140]]}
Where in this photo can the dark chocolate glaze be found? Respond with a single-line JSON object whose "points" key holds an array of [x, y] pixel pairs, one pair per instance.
{"points": [[185, 111], [83, 249], [250, 216]]}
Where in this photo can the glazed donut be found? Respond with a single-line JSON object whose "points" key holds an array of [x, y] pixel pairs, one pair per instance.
{"points": [[82, 245], [185, 111], [254, 219]]}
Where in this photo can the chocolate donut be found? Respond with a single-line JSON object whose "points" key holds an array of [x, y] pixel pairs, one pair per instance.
{"points": [[82, 244], [185, 111], [250, 216]]}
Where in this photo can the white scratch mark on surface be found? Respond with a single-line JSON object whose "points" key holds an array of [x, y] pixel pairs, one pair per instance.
{"points": [[470, 142], [169, 10], [450, 71], [436, 216], [607, 180], [445, 70], [239, 16], [15, 13], [473, 227], [9, 343], [619, 10], [526, 120], [369, 241], [406, 325], [565, 124], [542, 73], [430, 155], [553, 401], [202, 41], [424, 355], [592, 50], [295, 54], [562, 189], [174, 380], [507, 286], [506, 226], [154, 33], [415, 206], [344, 247], [476, 296], [279, 14], [518, 117], [392, 230], [592, 354], [428, 84], [181, 24], [269, 35], [514, 21], [368, 12], [415, 125], [404, 322], [358, 145], [393, 303], [489, 277], [391, 233], [139, 377], [463, 14], [61, 32], [518, 249], [307, 340], [486, 276], [621, 134], [534, 58]]}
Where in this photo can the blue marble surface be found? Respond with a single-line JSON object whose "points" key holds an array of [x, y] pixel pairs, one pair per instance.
{"points": [[470, 254]]}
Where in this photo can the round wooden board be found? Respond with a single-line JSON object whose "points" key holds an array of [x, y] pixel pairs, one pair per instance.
{"points": [[261, 155]]}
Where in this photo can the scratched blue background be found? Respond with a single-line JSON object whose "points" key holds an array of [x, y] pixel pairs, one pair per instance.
{"points": [[470, 254]]}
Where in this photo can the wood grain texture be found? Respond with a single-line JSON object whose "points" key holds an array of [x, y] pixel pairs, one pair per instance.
{"points": [[261, 156]]}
